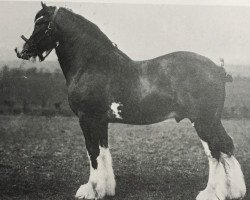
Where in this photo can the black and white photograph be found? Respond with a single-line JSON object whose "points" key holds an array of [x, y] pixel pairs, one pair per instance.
{"points": [[125, 100]]}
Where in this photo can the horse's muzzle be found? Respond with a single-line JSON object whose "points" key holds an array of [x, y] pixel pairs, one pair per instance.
{"points": [[23, 55]]}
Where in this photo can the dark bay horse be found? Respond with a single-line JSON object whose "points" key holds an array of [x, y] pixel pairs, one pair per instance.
{"points": [[105, 85]]}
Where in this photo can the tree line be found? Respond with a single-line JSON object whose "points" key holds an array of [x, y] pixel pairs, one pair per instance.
{"points": [[42, 92], [32, 91]]}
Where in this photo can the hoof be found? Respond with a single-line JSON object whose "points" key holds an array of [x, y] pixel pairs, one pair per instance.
{"points": [[110, 187], [209, 194], [236, 182], [85, 191]]}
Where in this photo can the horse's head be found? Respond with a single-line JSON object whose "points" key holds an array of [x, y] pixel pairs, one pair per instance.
{"points": [[43, 38]]}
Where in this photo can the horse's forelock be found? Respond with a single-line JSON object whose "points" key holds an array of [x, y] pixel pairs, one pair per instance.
{"points": [[49, 11], [39, 14]]}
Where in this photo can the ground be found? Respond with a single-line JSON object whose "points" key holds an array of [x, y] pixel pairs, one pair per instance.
{"points": [[45, 158]]}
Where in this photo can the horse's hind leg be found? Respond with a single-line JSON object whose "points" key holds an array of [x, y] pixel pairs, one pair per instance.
{"points": [[225, 179]]}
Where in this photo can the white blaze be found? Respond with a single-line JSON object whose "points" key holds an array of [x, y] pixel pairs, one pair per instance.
{"points": [[38, 19], [114, 107]]}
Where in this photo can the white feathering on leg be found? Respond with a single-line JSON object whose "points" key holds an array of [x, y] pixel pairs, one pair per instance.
{"points": [[101, 180], [235, 177], [225, 178]]}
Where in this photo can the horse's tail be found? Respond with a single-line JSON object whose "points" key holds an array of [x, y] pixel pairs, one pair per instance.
{"points": [[225, 76], [228, 78]]}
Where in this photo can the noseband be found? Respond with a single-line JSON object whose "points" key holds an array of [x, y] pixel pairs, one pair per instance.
{"points": [[48, 33]]}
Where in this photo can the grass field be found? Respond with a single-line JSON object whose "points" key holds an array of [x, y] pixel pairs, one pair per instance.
{"points": [[45, 158]]}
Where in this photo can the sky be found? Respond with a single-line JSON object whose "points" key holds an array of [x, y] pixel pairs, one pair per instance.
{"points": [[145, 31]]}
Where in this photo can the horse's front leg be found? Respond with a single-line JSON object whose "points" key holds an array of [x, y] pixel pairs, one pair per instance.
{"points": [[101, 179]]}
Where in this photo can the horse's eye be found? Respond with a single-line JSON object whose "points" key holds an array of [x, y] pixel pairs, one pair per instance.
{"points": [[39, 22]]}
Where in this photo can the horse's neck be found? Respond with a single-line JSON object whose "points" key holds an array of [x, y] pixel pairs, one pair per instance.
{"points": [[78, 48]]}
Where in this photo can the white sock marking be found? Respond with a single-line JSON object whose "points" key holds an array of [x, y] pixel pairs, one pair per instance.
{"points": [[101, 179], [206, 148], [225, 178], [85, 192], [235, 177]]}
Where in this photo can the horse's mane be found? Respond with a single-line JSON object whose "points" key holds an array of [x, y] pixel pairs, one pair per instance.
{"points": [[85, 25]]}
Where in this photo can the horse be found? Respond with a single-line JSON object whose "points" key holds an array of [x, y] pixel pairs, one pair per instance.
{"points": [[106, 86]]}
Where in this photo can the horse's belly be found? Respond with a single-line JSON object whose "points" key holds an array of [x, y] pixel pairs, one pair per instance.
{"points": [[151, 109]]}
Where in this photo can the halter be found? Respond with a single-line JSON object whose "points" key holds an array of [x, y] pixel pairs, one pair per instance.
{"points": [[48, 33]]}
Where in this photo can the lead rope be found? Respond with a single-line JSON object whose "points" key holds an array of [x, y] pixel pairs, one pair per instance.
{"points": [[22, 63]]}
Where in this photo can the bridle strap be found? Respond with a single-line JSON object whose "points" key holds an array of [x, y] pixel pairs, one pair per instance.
{"points": [[54, 15], [52, 22], [50, 28], [47, 33]]}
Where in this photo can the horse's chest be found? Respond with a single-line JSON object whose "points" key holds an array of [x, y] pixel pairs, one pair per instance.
{"points": [[88, 94]]}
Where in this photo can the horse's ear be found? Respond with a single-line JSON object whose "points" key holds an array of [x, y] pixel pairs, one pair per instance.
{"points": [[43, 5]]}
